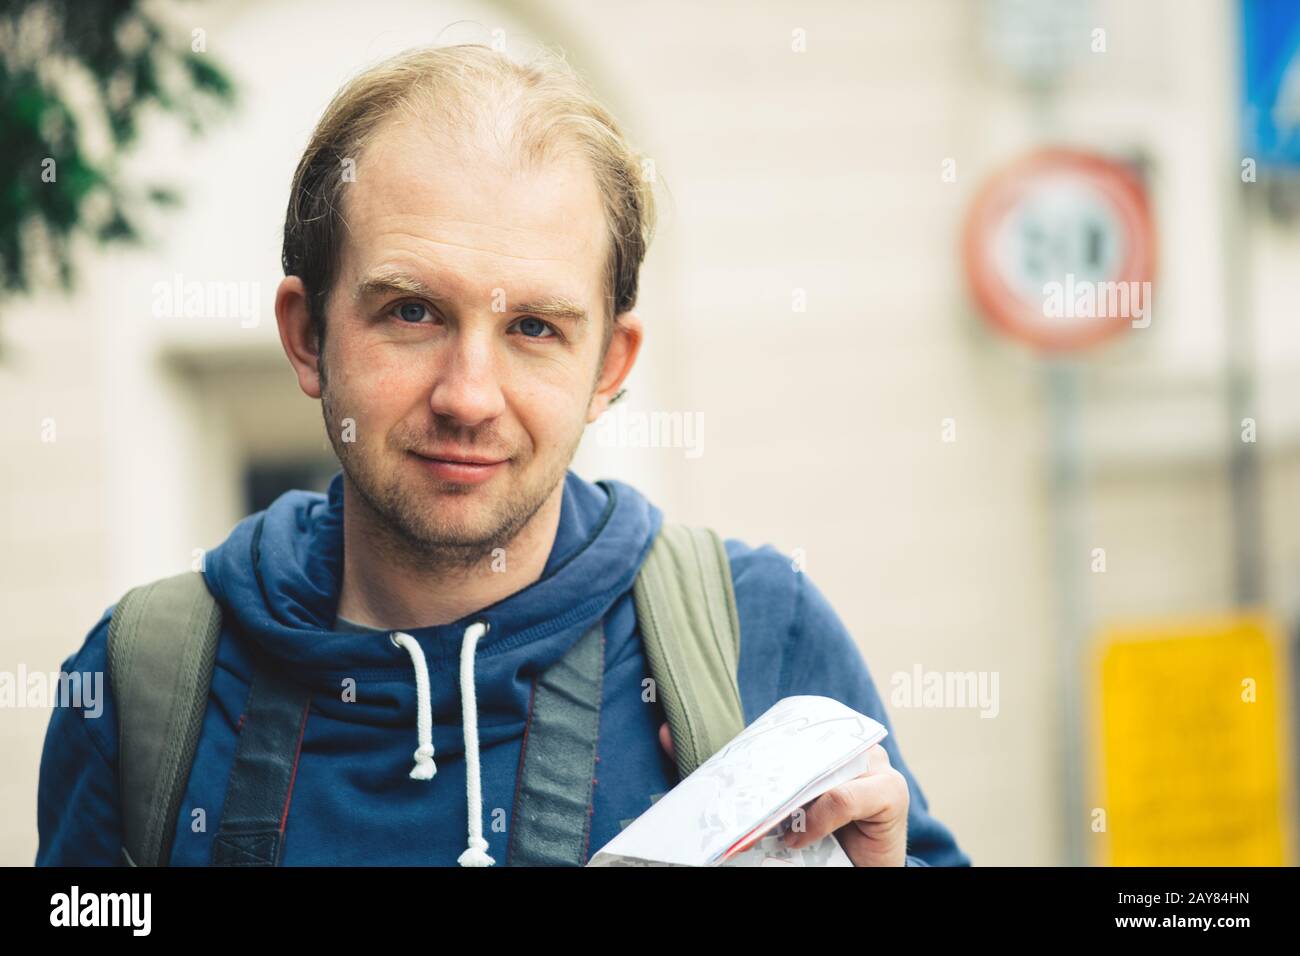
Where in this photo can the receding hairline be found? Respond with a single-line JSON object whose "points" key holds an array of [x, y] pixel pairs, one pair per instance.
{"points": [[387, 278], [528, 111]]}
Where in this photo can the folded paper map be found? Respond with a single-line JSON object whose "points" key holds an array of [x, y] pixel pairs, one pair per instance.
{"points": [[733, 808]]}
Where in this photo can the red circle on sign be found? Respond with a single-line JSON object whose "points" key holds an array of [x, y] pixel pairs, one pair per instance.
{"points": [[1001, 195]]}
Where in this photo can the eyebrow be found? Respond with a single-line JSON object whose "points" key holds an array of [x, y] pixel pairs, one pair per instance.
{"points": [[553, 306], [387, 282]]}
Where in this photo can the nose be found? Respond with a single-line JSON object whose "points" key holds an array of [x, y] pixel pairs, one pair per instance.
{"points": [[467, 384]]}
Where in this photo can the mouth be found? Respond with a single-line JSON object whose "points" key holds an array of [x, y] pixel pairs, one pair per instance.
{"points": [[460, 469]]}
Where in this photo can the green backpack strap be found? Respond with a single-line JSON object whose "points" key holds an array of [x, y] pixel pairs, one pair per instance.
{"points": [[162, 641], [686, 609]]}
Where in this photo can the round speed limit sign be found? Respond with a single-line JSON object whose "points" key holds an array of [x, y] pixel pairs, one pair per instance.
{"points": [[1059, 250]]}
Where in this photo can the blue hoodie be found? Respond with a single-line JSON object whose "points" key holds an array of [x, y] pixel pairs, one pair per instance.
{"points": [[353, 801]]}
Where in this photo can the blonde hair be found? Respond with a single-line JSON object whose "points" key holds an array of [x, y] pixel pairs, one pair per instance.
{"points": [[546, 107]]}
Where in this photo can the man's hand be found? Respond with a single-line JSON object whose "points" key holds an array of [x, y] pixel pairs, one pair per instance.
{"points": [[868, 813]]}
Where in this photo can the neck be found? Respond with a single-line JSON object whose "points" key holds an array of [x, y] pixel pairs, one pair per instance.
{"points": [[379, 590]]}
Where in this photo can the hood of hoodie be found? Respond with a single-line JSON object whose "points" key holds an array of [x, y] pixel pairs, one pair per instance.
{"points": [[278, 577]]}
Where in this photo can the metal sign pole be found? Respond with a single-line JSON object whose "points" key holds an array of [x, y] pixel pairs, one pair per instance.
{"points": [[1067, 493]]}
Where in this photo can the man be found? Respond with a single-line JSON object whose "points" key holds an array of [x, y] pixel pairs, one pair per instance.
{"points": [[461, 253]]}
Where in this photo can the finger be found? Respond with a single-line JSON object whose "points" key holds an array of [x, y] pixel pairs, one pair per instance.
{"points": [[877, 759], [860, 799]]}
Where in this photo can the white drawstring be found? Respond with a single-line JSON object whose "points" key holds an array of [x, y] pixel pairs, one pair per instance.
{"points": [[424, 768], [476, 851]]}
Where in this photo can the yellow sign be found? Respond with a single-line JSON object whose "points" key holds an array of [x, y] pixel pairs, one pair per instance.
{"points": [[1192, 753]]}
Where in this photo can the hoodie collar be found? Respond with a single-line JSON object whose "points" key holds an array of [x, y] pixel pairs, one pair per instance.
{"points": [[279, 573]]}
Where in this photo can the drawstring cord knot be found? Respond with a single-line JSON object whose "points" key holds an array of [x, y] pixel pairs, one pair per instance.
{"points": [[476, 847], [424, 768]]}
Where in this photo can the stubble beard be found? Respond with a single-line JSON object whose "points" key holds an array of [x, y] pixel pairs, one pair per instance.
{"points": [[405, 528]]}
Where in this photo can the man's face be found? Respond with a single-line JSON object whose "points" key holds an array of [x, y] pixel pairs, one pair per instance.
{"points": [[450, 334]]}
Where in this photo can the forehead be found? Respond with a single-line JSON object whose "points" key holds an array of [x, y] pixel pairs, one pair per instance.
{"points": [[468, 215]]}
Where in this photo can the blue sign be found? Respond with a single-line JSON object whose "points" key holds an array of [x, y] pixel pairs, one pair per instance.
{"points": [[1270, 56]]}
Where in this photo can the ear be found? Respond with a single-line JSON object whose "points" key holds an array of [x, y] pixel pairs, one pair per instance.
{"points": [[624, 344], [297, 335]]}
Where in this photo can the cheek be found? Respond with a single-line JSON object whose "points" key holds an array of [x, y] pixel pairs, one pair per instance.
{"points": [[550, 404], [372, 387]]}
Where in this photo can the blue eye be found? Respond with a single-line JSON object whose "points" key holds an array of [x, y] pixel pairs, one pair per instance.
{"points": [[533, 327], [411, 312]]}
